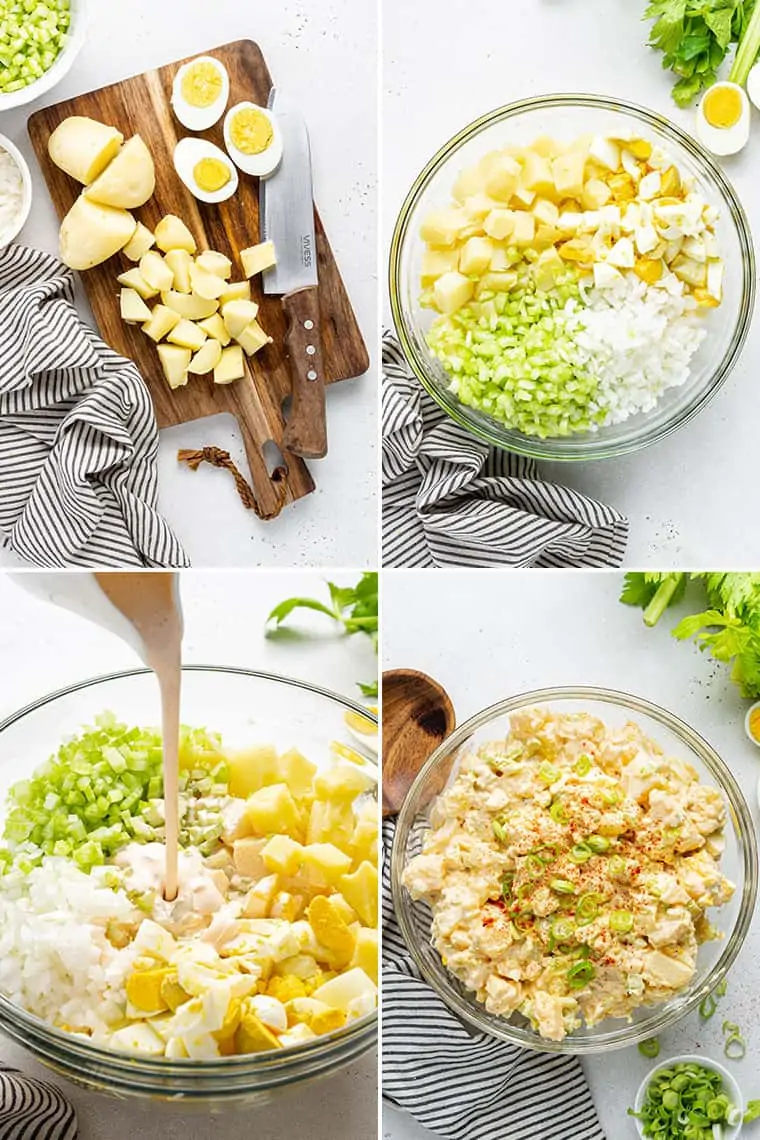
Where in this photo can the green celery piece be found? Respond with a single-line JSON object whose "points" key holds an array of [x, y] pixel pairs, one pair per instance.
{"points": [[747, 51]]}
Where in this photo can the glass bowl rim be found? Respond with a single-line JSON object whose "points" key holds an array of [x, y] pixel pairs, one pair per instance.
{"points": [[75, 1048], [629, 1033], [536, 448]]}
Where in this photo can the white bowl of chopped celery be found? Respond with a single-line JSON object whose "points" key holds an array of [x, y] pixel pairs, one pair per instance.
{"points": [[38, 47]]}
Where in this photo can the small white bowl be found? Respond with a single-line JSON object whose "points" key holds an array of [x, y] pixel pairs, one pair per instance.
{"points": [[26, 201], [730, 1087], [60, 67]]}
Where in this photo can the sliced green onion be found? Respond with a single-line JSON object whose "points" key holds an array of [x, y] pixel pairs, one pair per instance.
{"points": [[580, 974], [583, 765], [534, 866], [598, 844], [616, 866], [580, 853], [563, 929], [650, 1048], [621, 921], [587, 908], [708, 1006], [685, 1101], [735, 1047], [722, 987], [546, 853], [548, 774], [558, 812], [562, 886], [499, 830], [506, 885]]}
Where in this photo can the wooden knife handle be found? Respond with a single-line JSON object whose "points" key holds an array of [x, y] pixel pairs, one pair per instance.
{"points": [[306, 429]]}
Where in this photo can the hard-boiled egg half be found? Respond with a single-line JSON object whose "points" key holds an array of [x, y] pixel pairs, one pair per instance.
{"points": [[723, 118], [205, 170], [753, 85], [200, 93], [253, 139]]}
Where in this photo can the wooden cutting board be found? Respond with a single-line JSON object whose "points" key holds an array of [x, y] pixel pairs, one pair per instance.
{"points": [[142, 105]]}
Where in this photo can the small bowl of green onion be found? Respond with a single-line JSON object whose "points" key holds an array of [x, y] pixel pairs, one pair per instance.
{"points": [[689, 1098], [39, 41]]}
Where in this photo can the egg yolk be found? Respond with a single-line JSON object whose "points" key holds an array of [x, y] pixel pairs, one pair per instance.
{"points": [[251, 131], [722, 107], [754, 723], [211, 174], [201, 85]]}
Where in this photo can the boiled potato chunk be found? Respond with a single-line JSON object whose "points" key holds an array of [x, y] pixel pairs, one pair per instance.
{"points": [[297, 772], [174, 361], [156, 272], [568, 172], [537, 175], [273, 811], [452, 291], [253, 338], [231, 366], [342, 781], [435, 262], [172, 233], [205, 284], [133, 279], [238, 314], [179, 261], [90, 234], [132, 307], [215, 327], [257, 258], [503, 178], [282, 855], [140, 243], [252, 768], [187, 335], [189, 306], [84, 147], [338, 992], [366, 952], [162, 321], [360, 891], [206, 358], [328, 861], [128, 181], [475, 256], [330, 822], [442, 227], [236, 291], [214, 262]]}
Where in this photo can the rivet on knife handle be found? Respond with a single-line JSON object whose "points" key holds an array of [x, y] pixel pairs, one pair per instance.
{"points": [[306, 429]]}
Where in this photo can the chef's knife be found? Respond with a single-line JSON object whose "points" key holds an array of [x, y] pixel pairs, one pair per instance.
{"points": [[286, 204]]}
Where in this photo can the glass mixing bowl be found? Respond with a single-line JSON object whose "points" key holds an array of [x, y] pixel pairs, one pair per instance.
{"points": [[565, 117], [739, 864], [246, 708]]}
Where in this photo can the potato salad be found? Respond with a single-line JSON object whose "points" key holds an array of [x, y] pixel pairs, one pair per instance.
{"points": [[570, 869], [272, 939], [570, 281]]}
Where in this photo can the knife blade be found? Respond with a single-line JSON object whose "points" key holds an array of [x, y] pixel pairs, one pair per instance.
{"points": [[286, 205]]}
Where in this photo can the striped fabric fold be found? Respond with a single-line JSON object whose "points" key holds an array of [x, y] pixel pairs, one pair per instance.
{"points": [[78, 435], [464, 1085], [33, 1110], [449, 500]]}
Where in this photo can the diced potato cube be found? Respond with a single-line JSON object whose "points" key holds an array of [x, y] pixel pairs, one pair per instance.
{"points": [[547, 147], [162, 321], [156, 272], [478, 207], [174, 361], [537, 175], [524, 198], [253, 768], [524, 228], [205, 284], [133, 279], [468, 182], [501, 259], [622, 255], [331, 822], [338, 992], [545, 211], [137, 1038], [694, 273], [297, 772], [442, 227], [364, 838], [327, 861], [206, 358], [231, 366], [282, 854], [188, 305], [475, 256], [172, 233], [360, 891], [500, 223], [141, 241], [258, 258], [252, 338], [568, 172], [248, 859], [605, 152], [214, 262], [236, 291], [595, 194], [436, 262], [258, 901], [132, 307], [452, 291], [238, 314], [503, 177], [342, 781], [188, 335], [179, 261], [546, 236], [215, 327], [366, 952], [273, 811], [650, 185]]}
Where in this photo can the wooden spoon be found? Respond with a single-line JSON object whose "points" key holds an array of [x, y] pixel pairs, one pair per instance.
{"points": [[417, 716]]}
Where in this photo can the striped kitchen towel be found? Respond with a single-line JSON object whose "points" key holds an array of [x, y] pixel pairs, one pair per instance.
{"points": [[450, 500], [33, 1110], [461, 1084], [78, 435]]}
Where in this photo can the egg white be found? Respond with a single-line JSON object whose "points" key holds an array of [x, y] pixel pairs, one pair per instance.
{"points": [[262, 165], [724, 140], [200, 118], [753, 85], [187, 153]]}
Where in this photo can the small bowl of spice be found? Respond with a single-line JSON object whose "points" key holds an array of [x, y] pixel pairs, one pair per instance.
{"points": [[15, 191], [752, 723]]}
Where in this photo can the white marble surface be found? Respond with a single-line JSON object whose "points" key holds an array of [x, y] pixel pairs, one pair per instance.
{"points": [[41, 649], [324, 56], [510, 632], [446, 65]]}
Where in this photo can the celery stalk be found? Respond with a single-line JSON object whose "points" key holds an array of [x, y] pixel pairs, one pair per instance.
{"points": [[747, 51]]}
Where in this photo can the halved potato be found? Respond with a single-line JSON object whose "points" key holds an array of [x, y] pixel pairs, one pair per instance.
{"points": [[84, 147], [129, 180], [90, 234]]}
